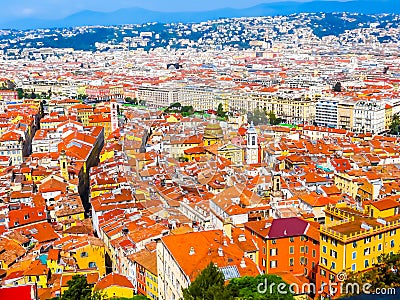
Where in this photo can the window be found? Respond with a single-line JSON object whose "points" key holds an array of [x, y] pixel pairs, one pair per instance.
{"points": [[333, 253], [324, 261], [314, 253], [301, 249], [273, 264], [264, 250], [334, 242], [84, 254], [380, 236], [92, 265], [366, 263], [323, 273], [367, 240], [333, 265], [354, 255], [332, 277], [273, 251], [392, 243], [291, 239], [306, 249], [392, 232], [354, 244], [353, 267], [291, 262], [323, 249], [291, 250], [379, 247], [273, 242], [324, 238], [263, 262], [367, 251]]}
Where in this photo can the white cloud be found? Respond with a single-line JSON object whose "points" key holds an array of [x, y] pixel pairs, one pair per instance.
{"points": [[27, 11]]}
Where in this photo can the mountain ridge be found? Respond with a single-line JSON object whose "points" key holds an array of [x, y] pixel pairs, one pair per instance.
{"points": [[137, 15]]}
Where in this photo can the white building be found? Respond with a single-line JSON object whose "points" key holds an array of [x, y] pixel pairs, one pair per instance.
{"points": [[369, 116]]}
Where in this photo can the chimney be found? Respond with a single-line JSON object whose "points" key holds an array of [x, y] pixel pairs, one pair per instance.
{"points": [[191, 252], [243, 263], [242, 238], [228, 228]]}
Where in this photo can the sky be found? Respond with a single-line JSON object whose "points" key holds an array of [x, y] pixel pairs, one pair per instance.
{"points": [[57, 9]]}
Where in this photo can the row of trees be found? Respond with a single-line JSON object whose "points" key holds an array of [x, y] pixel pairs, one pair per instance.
{"points": [[32, 95], [134, 101]]}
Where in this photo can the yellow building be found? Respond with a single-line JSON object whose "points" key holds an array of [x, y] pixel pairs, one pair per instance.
{"points": [[37, 273], [213, 132], [383, 208], [152, 284], [83, 112], [101, 120], [176, 148], [345, 114], [388, 116], [115, 286], [88, 252], [348, 182], [351, 242]]}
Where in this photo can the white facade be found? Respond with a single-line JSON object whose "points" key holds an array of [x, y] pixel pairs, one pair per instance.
{"points": [[369, 116], [252, 145], [171, 278]]}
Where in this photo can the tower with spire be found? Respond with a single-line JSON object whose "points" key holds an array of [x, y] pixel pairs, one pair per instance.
{"points": [[114, 114], [252, 145]]}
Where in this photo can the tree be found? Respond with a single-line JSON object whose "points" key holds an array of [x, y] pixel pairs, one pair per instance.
{"points": [[337, 87], [394, 127], [20, 92], [175, 106], [258, 117], [384, 275], [220, 111], [209, 285], [260, 287], [273, 120], [79, 289], [187, 110]]}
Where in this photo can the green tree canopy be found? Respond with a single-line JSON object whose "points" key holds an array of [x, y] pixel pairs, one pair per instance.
{"points": [[384, 275], [268, 287], [209, 285], [273, 119], [80, 289], [220, 111], [394, 127]]}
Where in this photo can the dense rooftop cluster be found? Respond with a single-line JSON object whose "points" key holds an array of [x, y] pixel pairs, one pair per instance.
{"points": [[137, 169]]}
